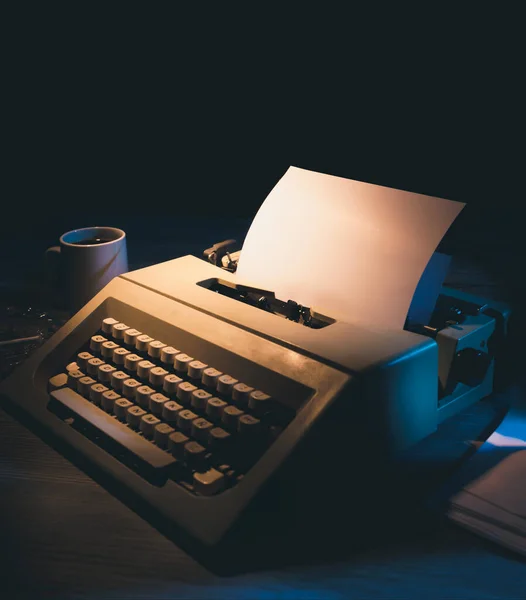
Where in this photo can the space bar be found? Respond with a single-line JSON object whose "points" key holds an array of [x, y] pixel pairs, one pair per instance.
{"points": [[153, 456]]}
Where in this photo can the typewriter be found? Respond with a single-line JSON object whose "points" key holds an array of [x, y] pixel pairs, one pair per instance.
{"points": [[194, 394]]}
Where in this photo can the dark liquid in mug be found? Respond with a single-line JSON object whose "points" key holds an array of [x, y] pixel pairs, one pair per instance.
{"points": [[93, 241]]}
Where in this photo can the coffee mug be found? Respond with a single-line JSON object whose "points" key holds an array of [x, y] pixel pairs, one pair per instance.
{"points": [[86, 260]]}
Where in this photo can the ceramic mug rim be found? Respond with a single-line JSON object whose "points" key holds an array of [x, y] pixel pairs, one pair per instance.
{"points": [[114, 230]]}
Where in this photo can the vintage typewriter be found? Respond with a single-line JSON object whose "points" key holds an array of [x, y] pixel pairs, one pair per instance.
{"points": [[194, 393]]}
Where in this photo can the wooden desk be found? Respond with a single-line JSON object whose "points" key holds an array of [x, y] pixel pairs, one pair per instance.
{"points": [[64, 536]]}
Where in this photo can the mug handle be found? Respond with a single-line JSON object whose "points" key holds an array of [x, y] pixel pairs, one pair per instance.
{"points": [[52, 262]]}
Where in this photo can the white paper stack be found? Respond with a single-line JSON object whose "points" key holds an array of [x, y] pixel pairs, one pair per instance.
{"points": [[493, 504]]}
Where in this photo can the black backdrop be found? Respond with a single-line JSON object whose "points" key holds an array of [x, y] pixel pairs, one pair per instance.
{"points": [[225, 161], [106, 119]]}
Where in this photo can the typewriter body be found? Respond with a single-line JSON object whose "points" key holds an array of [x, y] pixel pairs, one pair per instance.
{"points": [[236, 392]]}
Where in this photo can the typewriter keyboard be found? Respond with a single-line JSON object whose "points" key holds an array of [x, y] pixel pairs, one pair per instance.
{"points": [[164, 413]]}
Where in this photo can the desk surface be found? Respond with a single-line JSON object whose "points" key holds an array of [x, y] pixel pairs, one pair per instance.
{"points": [[64, 536]]}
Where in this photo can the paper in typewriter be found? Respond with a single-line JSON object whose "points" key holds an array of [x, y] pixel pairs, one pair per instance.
{"points": [[351, 250]]}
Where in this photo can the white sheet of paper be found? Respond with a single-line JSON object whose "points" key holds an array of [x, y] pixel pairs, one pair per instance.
{"points": [[352, 250]]}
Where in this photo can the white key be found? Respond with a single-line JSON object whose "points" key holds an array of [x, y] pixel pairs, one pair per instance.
{"points": [[96, 342], [96, 391], [117, 377], [215, 407], [230, 417], [108, 400], [93, 366], [171, 410], [155, 347], [119, 355], [118, 330], [225, 383], [209, 483], [168, 354], [248, 424], [131, 361], [143, 368], [171, 383], [73, 366], [84, 384], [73, 378], [184, 392], [148, 423], [120, 407], [258, 400], [210, 377], [105, 372], [133, 416], [129, 386], [82, 359], [130, 335], [107, 324], [142, 341], [107, 349], [157, 402], [57, 382], [184, 420], [241, 392], [200, 429], [181, 361], [196, 368], [199, 399], [161, 433], [157, 375], [142, 395]]}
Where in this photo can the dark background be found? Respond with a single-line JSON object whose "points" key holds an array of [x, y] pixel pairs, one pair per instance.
{"points": [[161, 115]]}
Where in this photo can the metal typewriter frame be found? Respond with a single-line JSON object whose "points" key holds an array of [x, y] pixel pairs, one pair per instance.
{"points": [[205, 518], [364, 370]]}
